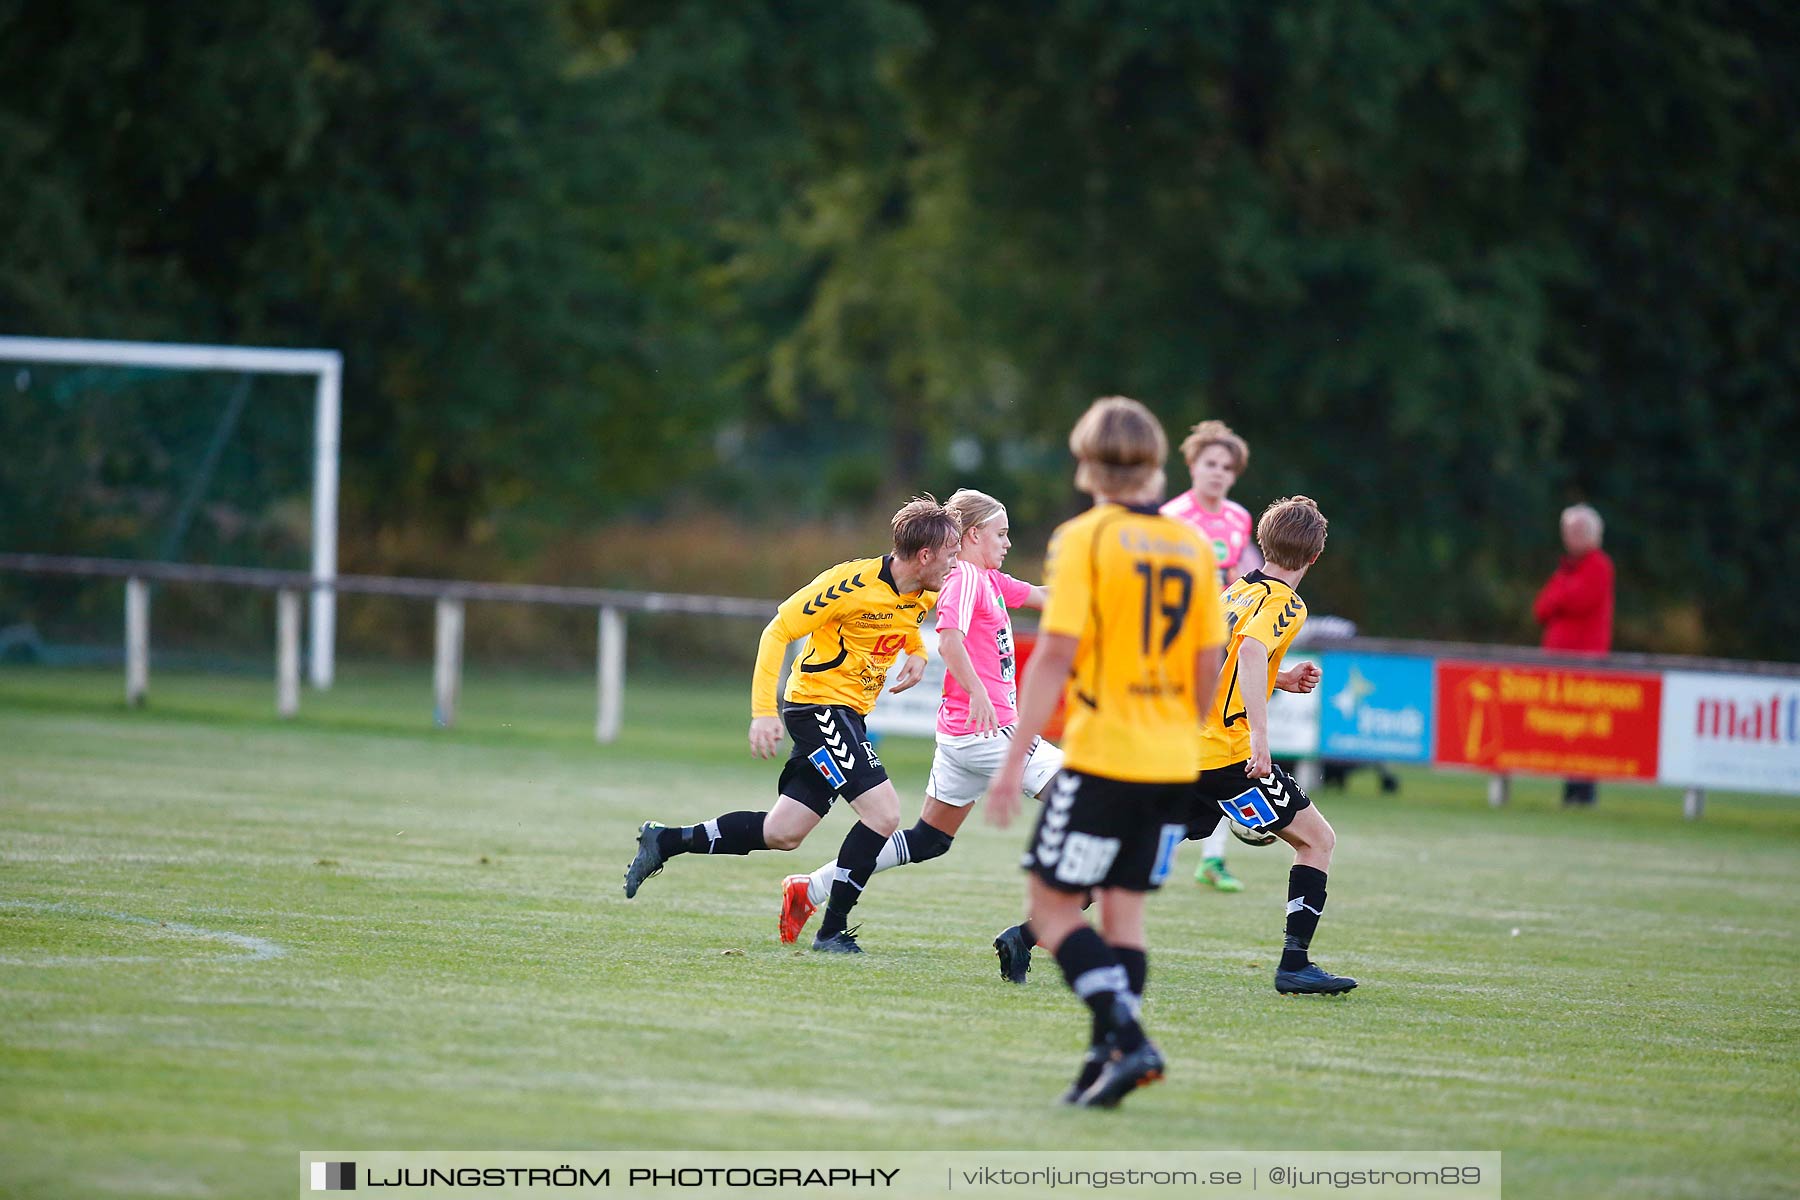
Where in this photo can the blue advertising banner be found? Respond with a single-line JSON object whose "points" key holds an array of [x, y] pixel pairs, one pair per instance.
{"points": [[1375, 707]]}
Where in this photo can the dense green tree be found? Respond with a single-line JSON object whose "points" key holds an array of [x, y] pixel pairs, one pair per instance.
{"points": [[514, 218], [1448, 266]]}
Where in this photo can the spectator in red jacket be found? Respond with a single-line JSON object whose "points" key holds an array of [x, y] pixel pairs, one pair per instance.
{"points": [[1576, 606]]}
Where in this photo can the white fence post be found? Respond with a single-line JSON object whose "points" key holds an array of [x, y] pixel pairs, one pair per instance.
{"points": [[1693, 803], [611, 671], [137, 642], [446, 677], [1499, 790], [287, 653]]}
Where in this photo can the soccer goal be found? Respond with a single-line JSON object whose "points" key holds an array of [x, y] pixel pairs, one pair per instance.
{"points": [[325, 367]]}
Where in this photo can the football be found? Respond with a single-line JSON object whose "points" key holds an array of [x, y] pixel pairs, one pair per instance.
{"points": [[1249, 836]]}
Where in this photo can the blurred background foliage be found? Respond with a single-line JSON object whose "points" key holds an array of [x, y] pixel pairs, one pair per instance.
{"points": [[693, 294]]}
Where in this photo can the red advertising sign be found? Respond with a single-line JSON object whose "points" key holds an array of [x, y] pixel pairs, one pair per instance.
{"points": [[1548, 720], [1023, 645]]}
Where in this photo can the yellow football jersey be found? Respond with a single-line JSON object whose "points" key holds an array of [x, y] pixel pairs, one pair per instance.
{"points": [[1271, 612], [858, 625], [1137, 588]]}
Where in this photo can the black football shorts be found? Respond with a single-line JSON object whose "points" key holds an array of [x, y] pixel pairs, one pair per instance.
{"points": [[1267, 805], [1097, 832], [832, 756]]}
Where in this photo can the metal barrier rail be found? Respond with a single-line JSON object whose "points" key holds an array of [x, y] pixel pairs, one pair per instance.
{"points": [[450, 595], [382, 585]]}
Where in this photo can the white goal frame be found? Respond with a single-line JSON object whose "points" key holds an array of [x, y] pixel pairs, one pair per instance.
{"points": [[327, 369]]}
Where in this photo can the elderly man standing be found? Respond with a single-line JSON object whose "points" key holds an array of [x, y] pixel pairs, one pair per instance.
{"points": [[1575, 606]]}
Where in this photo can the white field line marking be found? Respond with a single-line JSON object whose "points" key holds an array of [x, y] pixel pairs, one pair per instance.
{"points": [[254, 949]]}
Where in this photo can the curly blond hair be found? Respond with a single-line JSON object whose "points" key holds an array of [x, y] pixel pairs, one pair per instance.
{"points": [[1216, 433]]}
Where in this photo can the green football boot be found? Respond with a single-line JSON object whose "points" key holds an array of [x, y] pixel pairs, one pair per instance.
{"points": [[1212, 871]]}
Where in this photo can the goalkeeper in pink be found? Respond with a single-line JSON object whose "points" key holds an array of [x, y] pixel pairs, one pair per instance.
{"points": [[1216, 457], [975, 719]]}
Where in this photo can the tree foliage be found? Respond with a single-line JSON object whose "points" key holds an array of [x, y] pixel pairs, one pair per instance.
{"points": [[1448, 266]]}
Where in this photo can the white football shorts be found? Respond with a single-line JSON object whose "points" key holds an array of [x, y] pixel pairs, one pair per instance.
{"points": [[965, 763]]}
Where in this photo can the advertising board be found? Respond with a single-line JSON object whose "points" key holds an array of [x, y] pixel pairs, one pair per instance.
{"points": [[1730, 731], [1293, 717], [1547, 720], [1375, 708]]}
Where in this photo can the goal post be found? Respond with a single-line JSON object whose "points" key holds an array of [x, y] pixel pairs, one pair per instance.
{"points": [[326, 367]]}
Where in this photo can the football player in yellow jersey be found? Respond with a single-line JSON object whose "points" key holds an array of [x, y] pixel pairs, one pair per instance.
{"points": [[1133, 625], [1264, 614], [857, 618], [975, 717]]}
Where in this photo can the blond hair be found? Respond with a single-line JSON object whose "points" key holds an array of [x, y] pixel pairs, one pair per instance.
{"points": [[1119, 447], [1291, 532], [973, 509], [1215, 433], [923, 524]]}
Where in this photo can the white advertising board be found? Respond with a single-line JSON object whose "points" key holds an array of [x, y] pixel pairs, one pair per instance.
{"points": [[912, 713], [1294, 718], [1730, 731]]}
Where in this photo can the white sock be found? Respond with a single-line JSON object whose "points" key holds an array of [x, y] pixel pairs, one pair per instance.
{"points": [[1216, 841], [893, 854], [818, 890]]}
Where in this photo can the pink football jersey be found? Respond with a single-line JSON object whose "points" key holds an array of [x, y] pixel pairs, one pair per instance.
{"points": [[974, 600], [1229, 529]]}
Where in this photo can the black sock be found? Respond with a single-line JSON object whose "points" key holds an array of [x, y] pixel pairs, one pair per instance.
{"points": [[1306, 901], [732, 833], [1137, 969], [855, 863], [1094, 974], [1030, 933], [925, 842]]}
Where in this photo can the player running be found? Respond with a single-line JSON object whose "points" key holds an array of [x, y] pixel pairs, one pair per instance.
{"points": [[1133, 625], [1216, 457], [975, 719], [1264, 613], [857, 617]]}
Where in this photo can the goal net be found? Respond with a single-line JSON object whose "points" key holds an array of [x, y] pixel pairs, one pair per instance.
{"points": [[199, 454]]}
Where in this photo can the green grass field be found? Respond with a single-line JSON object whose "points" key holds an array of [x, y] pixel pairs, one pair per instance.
{"points": [[429, 949]]}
